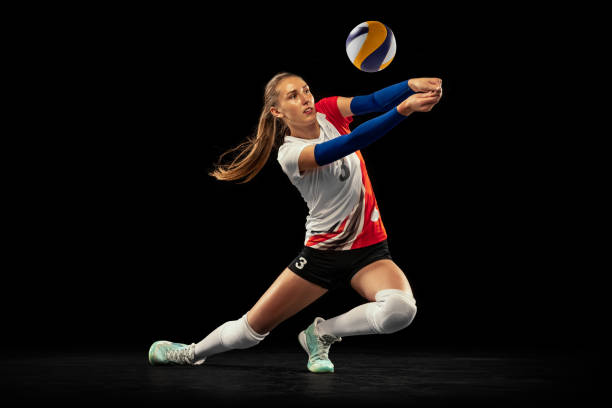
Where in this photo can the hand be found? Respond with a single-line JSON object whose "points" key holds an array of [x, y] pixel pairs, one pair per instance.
{"points": [[420, 102], [425, 84]]}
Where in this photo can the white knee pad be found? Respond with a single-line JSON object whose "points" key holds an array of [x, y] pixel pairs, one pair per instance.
{"points": [[238, 334], [393, 310]]}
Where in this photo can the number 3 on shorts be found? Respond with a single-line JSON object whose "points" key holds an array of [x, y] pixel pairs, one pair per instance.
{"points": [[301, 262]]}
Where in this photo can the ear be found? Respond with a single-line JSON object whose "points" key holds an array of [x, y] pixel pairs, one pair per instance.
{"points": [[276, 113]]}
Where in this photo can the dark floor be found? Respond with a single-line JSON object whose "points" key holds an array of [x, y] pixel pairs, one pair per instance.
{"points": [[278, 377]]}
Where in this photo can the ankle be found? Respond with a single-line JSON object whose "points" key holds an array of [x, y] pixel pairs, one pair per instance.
{"points": [[322, 329]]}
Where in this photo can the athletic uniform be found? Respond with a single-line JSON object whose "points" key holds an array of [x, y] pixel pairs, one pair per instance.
{"points": [[344, 229], [344, 233]]}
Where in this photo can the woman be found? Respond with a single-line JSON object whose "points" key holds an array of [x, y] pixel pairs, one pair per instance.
{"points": [[346, 242]]}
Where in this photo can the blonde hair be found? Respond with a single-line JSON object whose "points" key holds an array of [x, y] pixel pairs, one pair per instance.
{"points": [[253, 154]]}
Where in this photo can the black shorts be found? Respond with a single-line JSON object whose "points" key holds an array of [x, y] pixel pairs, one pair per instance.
{"points": [[332, 269]]}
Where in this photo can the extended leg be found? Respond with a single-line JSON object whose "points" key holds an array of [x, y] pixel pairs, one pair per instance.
{"points": [[285, 297]]}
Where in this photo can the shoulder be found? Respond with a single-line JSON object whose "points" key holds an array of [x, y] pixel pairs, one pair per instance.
{"points": [[327, 103], [291, 141], [289, 157], [329, 107], [289, 146]]}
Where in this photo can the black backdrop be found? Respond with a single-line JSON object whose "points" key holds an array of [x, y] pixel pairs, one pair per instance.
{"points": [[123, 239]]}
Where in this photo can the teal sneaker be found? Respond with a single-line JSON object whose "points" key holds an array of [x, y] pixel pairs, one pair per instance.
{"points": [[168, 353], [317, 348]]}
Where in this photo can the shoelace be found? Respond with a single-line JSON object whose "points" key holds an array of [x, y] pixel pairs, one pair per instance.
{"points": [[184, 355], [324, 341]]}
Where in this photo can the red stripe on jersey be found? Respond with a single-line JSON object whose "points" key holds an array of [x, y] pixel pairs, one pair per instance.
{"points": [[329, 107], [317, 239], [373, 232]]}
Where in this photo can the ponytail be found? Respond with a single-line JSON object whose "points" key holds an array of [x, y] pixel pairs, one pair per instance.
{"points": [[253, 154]]}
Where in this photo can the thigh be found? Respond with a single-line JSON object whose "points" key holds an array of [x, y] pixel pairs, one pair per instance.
{"points": [[379, 275], [288, 295]]}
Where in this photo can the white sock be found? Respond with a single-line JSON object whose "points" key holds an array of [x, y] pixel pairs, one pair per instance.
{"points": [[235, 334], [352, 323], [392, 311]]}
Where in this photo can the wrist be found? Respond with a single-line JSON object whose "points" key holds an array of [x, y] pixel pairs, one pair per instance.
{"points": [[404, 111]]}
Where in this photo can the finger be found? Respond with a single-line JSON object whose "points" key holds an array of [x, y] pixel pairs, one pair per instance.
{"points": [[428, 107], [427, 94], [429, 101]]}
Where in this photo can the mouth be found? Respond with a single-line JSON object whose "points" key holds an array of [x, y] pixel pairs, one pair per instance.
{"points": [[308, 111]]}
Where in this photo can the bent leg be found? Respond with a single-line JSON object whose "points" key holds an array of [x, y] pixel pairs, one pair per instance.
{"points": [[287, 295], [391, 308], [377, 276]]}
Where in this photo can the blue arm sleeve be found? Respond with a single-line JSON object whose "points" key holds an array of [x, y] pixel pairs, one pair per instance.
{"points": [[381, 101], [363, 135]]}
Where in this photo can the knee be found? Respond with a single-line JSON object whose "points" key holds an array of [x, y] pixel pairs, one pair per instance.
{"points": [[398, 309], [238, 334]]}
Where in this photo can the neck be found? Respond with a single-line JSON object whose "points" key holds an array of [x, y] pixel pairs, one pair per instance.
{"points": [[312, 131]]}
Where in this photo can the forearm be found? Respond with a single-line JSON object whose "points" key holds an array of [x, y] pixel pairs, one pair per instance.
{"points": [[363, 135], [381, 101]]}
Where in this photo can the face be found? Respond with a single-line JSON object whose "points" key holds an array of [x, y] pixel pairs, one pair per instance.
{"points": [[295, 102]]}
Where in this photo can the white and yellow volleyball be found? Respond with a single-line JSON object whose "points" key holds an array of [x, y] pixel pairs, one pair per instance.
{"points": [[371, 46]]}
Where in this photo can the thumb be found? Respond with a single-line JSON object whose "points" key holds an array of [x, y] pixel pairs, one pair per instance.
{"points": [[427, 94]]}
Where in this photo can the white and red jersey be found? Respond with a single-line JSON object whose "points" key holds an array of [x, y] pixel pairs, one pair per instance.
{"points": [[343, 213]]}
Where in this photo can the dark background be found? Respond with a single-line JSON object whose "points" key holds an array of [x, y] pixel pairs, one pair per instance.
{"points": [[122, 238]]}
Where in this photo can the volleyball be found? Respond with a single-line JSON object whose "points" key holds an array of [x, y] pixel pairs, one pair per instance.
{"points": [[371, 46]]}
